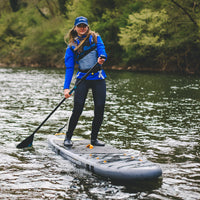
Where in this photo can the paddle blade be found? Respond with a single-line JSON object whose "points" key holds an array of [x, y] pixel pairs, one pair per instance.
{"points": [[26, 143]]}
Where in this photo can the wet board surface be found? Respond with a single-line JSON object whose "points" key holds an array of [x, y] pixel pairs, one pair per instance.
{"points": [[107, 161]]}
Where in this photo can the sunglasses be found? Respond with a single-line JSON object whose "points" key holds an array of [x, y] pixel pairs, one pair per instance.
{"points": [[82, 26]]}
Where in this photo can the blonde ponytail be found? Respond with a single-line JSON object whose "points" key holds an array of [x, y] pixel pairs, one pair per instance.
{"points": [[71, 35]]}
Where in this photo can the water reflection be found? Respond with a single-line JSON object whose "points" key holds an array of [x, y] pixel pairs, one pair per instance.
{"points": [[157, 115]]}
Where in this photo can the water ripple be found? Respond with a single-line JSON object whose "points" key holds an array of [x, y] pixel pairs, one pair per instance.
{"points": [[153, 115]]}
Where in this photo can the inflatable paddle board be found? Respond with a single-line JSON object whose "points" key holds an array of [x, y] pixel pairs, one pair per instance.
{"points": [[107, 161]]}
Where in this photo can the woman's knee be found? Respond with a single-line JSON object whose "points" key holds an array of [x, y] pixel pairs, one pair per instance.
{"points": [[78, 109], [99, 109]]}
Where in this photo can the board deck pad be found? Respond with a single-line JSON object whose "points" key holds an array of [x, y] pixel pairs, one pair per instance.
{"points": [[107, 161], [79, 147]]}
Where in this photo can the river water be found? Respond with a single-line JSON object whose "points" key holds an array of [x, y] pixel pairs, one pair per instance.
{"points": [[157, 115]]}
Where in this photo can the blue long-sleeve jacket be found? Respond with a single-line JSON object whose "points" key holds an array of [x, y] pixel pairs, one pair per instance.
{"points": [[71, 60]]}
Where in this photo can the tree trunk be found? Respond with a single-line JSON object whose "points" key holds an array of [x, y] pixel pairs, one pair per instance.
{"points": [[14, 5]]}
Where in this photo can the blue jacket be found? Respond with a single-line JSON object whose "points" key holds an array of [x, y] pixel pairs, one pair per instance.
{"points": [[71, 58]]}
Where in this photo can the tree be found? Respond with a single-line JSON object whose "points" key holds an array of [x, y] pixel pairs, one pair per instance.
{"points": [[143, 34], [170, 42]]}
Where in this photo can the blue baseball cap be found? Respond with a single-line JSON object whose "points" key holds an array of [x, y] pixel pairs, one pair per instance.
{"points": [[81, 20]]}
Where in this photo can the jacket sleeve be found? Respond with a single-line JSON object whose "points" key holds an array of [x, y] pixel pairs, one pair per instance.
{"points": [[69, 64], [100, 47]]}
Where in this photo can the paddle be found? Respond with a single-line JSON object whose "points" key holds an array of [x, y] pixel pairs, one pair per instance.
{"points": [[29, 140]]}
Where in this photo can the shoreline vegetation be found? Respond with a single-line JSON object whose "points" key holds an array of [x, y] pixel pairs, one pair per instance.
{"points": [[113, 67], [153, 36]]}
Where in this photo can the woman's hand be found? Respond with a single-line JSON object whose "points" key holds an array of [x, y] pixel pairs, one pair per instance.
{"points": [[101, 60], [66, 93]]}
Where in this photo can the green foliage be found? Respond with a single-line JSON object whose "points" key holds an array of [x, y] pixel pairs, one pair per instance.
{"points": [[112, 15], [4, 7], [108, 30], [12, 31], [28, 37], [156, 34], [45, 44], [144, 32]]}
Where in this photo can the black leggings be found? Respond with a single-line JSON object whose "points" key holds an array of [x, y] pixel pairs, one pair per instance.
{"points": [[99, 95]]}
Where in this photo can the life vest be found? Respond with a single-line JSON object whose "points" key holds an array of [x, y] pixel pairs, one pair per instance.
{"points": [[87, 56]]}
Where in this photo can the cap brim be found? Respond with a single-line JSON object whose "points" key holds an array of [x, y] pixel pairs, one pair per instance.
{"points": [[81, 23]]}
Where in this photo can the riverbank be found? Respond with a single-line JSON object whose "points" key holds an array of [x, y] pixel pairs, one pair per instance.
{"points": [[134, 68]]}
